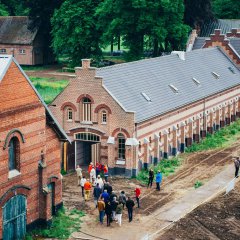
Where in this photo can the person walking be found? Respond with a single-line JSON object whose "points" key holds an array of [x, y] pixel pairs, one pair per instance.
{"points": [[108, 211], [237, 164], [109, 188], [96, 194], [99, 181], [83, 180], [122, 198], [87, 189], [92, 174], [105, 196], [101, 208], [114, 205], [112, 196], [137, 194], [119, 210], [79, 175], [90, 167], [158, 180], [150, 177], [105, 171], [130, 204]]}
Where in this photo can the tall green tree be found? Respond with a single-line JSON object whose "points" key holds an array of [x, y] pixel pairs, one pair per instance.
{"points": [[15, 7], [197, 12], [157, 24], [41, 12], [3, 10], [74, 30], [229, 9]]}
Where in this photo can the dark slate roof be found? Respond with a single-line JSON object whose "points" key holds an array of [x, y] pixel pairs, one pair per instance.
{"points": [[225, 25], [5, 61], [235, 42], [14, 30], [198, 43], [126, 82]]}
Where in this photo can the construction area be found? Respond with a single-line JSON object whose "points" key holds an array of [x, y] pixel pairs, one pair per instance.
{"points": [[163, 215]]}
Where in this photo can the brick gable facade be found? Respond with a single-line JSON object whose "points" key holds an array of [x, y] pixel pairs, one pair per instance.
{"points": [[23, 117]]}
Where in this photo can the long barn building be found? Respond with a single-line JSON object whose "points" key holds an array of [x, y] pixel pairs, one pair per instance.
{"points": [[131, 115], [30, 154]]}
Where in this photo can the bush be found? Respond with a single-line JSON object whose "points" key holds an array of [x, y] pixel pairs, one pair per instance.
{"points": [[198, 184]]}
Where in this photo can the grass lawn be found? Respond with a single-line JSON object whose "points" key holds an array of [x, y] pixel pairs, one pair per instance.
{"points": [[63, 225], [225, 137], [48, 88]]}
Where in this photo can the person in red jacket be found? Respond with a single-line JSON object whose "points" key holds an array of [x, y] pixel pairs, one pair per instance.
{"points": [[137, 193]]}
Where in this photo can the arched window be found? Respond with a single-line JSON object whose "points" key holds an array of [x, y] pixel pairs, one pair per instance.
{"points": [[13, 154], [104, 117], [87, 111], [121, 146], [69, 114]]}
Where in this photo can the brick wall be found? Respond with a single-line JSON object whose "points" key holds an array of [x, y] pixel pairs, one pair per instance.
{"points": [[86, 84], [21, 109]]}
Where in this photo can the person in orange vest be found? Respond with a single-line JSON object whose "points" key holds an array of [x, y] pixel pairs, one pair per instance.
{"points": [[87, 189], [105, 170]]}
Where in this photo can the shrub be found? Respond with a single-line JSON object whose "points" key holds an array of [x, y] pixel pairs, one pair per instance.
{"points": [[198, 184]]}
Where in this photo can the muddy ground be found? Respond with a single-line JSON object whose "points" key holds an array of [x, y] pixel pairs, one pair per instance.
{"points": [[201, 167], [218, 219]]}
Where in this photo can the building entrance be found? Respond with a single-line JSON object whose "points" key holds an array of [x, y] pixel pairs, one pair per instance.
{"points": [[87, 149]]}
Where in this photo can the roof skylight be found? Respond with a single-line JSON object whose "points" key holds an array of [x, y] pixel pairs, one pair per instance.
{"points": [[196, 81], [232, 70], [217, 76], [173, 88], [146, 97]]}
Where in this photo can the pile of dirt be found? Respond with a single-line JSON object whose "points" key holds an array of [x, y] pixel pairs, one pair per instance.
{"points": [[218, 219]]}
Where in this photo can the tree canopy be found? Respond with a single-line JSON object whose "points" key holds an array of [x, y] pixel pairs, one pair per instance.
{"points": [[197, 12], [143, 23], [3, 10], [229, 9], [74, 30]]}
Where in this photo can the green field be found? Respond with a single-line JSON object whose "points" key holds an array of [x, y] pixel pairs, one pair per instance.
{"points": [[48, 88]]}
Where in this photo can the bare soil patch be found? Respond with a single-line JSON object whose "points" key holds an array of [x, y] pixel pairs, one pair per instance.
{"points": [[218, 219]]}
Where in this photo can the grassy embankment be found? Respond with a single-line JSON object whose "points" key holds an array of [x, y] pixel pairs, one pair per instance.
{"points": [[48, 87], [63, 225], [225, 137]]}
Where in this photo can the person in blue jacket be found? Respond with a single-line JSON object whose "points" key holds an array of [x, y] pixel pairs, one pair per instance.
{"points": [[158, 180]]}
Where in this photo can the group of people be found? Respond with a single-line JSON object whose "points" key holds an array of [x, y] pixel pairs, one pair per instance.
{"points": [[105, 199], [151, 178]]}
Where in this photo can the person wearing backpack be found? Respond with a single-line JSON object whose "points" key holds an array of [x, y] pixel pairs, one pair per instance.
{"points": [[119, 210], [122, 198]]}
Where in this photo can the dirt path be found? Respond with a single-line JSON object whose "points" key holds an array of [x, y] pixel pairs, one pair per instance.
{"points": [[200, 167]]}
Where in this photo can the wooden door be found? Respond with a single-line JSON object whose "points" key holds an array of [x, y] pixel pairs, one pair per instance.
{"points": [[14, 218]]}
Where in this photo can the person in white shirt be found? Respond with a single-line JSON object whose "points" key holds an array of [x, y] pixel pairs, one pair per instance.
{"points": [[82, 182], [79, 174], [92, 174], [99, 181]]}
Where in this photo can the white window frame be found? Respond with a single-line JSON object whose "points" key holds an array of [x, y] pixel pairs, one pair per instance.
{"points": [[22, 51], [3, 51], [104, 117], [69, 111]]}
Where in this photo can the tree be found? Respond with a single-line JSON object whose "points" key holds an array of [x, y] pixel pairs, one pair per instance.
{"points": [[197, 12], [74, 30], [41, 12], [143, 23], [229, 9], [15, 7], [3, 10]]}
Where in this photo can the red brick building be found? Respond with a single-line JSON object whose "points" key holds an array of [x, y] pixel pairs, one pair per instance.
{"points": [[26, 45], [133, 114], [30, 154]]}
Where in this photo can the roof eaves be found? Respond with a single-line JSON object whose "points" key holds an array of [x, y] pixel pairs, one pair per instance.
{"points": [[62, 132], [183, 105]]}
